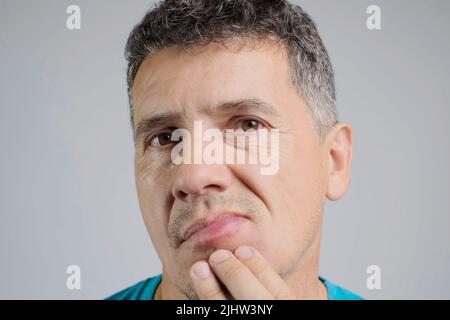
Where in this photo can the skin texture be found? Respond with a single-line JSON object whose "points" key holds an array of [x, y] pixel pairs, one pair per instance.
{"points": [[284, 210]]}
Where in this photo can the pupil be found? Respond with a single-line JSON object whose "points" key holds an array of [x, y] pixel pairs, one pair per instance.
{"points": [[165, 138], [251, 124]]}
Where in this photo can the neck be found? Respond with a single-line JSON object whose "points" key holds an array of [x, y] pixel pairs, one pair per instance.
{"points": [[303, 278]]}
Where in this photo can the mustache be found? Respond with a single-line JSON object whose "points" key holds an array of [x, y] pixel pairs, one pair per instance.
{"points": [[212, 202]]}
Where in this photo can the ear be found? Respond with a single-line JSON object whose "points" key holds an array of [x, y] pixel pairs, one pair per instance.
{"points": [[339, 154]]}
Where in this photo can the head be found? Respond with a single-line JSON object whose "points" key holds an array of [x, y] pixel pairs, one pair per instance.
{"points": [[235, 64]]}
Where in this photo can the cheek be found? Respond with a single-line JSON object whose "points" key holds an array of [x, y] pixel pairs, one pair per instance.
{"points": [[152, 190], [301, 171], [152, 162], [151, 210], [256, 185], [297, 190]]}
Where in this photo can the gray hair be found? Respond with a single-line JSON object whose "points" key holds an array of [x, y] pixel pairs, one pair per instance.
{"points": [[195, 23]]}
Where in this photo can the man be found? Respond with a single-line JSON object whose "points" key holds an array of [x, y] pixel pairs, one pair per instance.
{"points": [[223, 230]]}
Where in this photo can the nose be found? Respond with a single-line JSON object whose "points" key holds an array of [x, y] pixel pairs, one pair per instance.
{"points": [[198, 179]]}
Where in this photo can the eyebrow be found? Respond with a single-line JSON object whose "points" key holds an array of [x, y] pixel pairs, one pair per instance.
{"points": [[233, 106], [244, 106], [146, 125]]}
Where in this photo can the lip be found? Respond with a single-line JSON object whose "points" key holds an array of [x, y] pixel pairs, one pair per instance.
{"points": [[224, 225]]}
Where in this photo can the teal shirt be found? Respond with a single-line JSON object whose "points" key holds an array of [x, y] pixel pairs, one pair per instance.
{"points": [[145, 290]]}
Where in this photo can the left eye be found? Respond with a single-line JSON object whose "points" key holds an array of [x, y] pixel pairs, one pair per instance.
{"points": [[248, 124]]}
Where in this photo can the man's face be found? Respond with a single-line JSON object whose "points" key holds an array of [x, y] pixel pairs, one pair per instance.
{"points": [[282, 213]]}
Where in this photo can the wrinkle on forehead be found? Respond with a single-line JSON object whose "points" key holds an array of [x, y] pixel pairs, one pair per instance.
{"points": [[172, 73]]}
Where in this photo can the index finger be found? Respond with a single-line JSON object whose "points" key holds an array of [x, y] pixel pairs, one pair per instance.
{"points": [[205, 283], [237, 278]]}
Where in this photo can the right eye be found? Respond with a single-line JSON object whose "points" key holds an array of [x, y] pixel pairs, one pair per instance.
{"points": [[161, 139]]}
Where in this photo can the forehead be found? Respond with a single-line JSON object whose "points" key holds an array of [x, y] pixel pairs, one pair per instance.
{"points": [[176, 81]]}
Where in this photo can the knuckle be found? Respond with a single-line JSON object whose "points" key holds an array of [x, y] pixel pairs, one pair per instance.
{"points": [[261, 270], [233, 272]]}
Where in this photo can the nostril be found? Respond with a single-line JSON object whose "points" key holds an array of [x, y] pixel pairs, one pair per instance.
{"points": [[180, 194], [197, 180]]}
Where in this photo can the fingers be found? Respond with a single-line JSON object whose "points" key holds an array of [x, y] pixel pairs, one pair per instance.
{"points": [[246, 275], [205, 283], [237, 278], [264, 272]]}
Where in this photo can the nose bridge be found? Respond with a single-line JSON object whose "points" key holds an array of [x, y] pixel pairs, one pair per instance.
{"points": [[192, 135], [197, 177]]}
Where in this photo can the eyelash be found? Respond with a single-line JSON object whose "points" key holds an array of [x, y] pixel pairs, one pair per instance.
{"points": [[150, 138], [260, 121]]}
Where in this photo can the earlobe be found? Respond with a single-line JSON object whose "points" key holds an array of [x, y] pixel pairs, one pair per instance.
{"points": [[339, 155]]}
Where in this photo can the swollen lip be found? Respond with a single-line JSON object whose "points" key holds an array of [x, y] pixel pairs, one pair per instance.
{"points": [[217, 230]]}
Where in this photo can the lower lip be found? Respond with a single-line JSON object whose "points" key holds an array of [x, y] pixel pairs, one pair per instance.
{"points": [[218, 230]]}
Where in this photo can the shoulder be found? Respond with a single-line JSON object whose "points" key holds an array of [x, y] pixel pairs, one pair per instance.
{"points": [[143, 290], [336, 292]]}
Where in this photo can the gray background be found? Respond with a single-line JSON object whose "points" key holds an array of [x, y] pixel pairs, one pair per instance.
{"points": [[67, 193]]}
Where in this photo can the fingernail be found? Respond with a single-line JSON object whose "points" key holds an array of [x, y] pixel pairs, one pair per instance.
{"points": [[201, 270], [219, 256], [243, 252]]}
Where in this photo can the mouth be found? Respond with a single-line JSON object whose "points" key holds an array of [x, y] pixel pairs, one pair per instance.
{"points": [[204, 232]]}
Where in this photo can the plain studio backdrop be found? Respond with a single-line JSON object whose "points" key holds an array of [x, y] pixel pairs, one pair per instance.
{"points": [[67, 193]]}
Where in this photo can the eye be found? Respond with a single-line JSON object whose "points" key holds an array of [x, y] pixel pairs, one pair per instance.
{"points": [[248, 124], [161, 139]]}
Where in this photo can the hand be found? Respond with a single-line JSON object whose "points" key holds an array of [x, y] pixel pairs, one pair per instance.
{"points": [[246, 275]]}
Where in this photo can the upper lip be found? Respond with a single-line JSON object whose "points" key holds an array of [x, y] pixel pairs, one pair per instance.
{"points": [[202, 223]]}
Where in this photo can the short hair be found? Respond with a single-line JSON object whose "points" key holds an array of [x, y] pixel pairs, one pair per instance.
{"points": [[196, 23]]}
